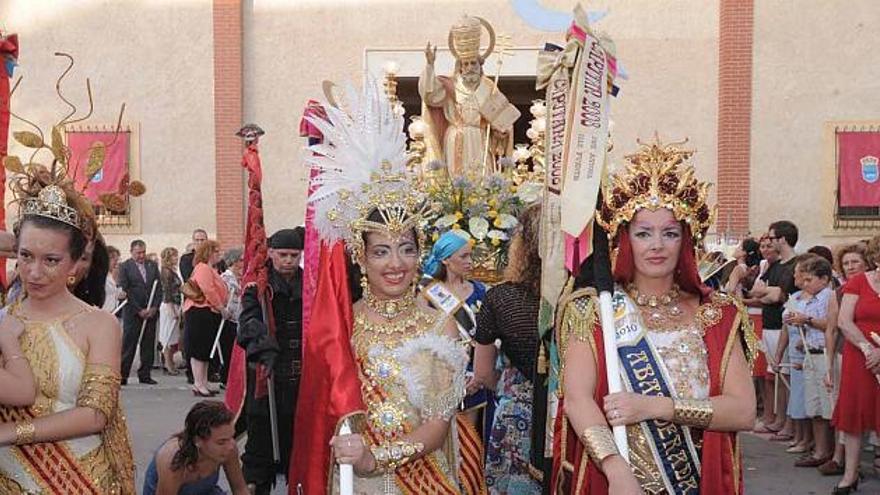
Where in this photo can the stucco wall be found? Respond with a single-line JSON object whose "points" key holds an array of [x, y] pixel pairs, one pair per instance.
{"points": [[155, 56], [814, 63]]}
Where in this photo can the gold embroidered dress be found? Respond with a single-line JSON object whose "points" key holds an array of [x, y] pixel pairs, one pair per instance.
{"points": [[410, 372], [99, 463]]}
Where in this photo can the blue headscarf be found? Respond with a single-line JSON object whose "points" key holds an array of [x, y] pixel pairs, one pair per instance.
{"points": [[447, 245]]}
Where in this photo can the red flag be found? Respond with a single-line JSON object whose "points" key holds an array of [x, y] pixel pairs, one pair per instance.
{"points": [[256, 254], [329, 388], [115, 168], [858, 165]]}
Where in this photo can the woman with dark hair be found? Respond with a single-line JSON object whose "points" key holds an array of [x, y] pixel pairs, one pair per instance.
{"points": [[89, 280], [203, 309], [510, 314], [683, 350], [74, 439], [189, 462]]}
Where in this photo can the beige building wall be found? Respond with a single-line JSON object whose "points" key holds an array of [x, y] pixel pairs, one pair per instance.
{"points": [[671, 55], [813, 64], [156, 56]]}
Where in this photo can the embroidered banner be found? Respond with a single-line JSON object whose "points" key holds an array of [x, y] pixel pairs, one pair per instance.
{"points": [[115, 169], [585, 146], [858, 165]]}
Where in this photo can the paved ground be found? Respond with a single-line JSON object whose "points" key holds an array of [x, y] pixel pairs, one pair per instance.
{"points": [[154, 413]]}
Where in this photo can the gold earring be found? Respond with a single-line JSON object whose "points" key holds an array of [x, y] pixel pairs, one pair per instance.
{"points": [[71, 280]]}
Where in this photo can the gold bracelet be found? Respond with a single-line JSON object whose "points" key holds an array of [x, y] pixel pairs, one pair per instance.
{"points": [[692, 412], [24, 432], [389, 456], [599, 443]]}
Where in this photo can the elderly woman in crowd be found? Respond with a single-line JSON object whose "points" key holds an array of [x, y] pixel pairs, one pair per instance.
{"points": [[510, 314], [232, 278], [858, 403]]}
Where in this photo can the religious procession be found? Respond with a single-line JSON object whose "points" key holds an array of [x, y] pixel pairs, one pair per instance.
{"points": [[460, 248]]}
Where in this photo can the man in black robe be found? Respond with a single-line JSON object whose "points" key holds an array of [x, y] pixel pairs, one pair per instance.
{"points": [[280, 353]]}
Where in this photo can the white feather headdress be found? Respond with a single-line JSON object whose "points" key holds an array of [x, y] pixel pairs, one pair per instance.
{"points": [[362, 171]]}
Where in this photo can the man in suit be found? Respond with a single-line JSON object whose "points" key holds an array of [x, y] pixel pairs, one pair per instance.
{"points": [[186, 261], [136, 277]]}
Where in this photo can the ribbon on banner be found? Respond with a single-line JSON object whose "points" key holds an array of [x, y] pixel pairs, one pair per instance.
{"points": [[585, 147]]}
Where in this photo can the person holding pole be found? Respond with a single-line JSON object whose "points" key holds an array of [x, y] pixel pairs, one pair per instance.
{"points": [[203, 310], [683, 351], [137, 276], [279, 351]]}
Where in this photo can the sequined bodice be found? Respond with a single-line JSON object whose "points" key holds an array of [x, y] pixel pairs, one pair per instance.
{"points": [[685, 358]]}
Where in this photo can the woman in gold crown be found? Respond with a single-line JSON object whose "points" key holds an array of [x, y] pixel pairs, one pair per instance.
{"points": [[684, 351], [73, 439], [404, 362]]}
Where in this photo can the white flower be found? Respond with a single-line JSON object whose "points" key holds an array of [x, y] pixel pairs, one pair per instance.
{"points": [[497, 234], [478, 226], [446, 221], [529, 192], [506, 221]]}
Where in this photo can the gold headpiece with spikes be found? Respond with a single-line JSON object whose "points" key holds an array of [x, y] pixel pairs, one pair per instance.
{"points": [[657, 176]]}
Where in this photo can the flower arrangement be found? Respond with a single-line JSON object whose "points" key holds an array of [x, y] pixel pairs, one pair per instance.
{"points": [[485, 207]]}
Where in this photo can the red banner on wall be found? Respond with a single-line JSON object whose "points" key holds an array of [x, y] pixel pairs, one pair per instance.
{"points": [[858, 166], [108, 179]]}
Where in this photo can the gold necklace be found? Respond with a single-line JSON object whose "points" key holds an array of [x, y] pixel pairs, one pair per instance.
{"points": [[660, 312], [388, 308]]}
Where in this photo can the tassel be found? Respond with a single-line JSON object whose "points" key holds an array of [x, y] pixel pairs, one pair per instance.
{"points": [[542, 360]]}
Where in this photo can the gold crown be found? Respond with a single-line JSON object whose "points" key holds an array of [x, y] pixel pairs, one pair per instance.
{"points": [[50, 202], [657, 177], [464, 38]]}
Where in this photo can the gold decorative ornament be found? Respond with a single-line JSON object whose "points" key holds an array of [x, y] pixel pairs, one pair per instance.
{"points": [[660, 312], [50, 202], [657, 176], [599, 443], [24, 432], [393, 454], [388, 308], [692, 412], [465, 36]]}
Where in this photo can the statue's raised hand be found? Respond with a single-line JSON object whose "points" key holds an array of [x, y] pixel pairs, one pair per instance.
{"points": [[430, 53]]}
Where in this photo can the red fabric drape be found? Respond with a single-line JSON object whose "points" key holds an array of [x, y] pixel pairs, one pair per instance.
{"points": [[329, 388], [858, 165], [8, 56], [256, 254]]}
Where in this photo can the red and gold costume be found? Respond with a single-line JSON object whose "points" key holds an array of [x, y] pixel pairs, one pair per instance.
{"points": [[576, 474], [658, 356]]}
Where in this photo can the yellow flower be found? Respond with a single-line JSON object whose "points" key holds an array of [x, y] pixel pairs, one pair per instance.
{"points": [[493, 213], [496, 242], [493, 202], [459, 215], [435, 236], [497, 223]]}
